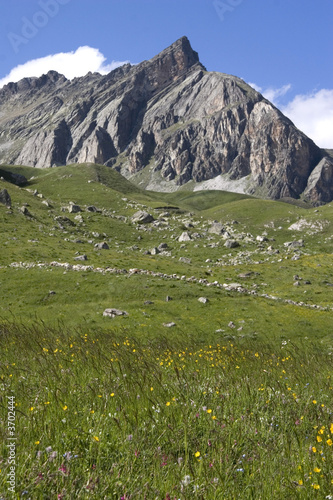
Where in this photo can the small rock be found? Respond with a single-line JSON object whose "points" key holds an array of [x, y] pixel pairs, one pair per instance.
{"points": [[91, 208], [231, 325], [245, 275], [233, 286], [24, 210], [112, 313], [101, 246], [169, 325], [154, 251], [168, 298], [148, 302], [162, 246], [294, 244], [185, 260], [261, 239], [203, 300], [81, 257]]}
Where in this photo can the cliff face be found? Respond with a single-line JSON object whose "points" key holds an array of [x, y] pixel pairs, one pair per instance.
{"points": [[166, 119]]}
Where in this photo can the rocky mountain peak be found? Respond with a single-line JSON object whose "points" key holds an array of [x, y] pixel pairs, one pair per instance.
{"points": [[164, 123], [177, 58]]}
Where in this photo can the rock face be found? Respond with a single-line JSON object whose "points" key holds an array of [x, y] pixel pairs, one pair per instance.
{"points": [[169, 117]]}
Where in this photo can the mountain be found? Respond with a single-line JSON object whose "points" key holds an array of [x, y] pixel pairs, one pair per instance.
{"points": [[164, 123]]}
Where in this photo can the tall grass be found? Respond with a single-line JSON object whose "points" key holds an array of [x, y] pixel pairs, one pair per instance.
{"points": [[101, 414]]}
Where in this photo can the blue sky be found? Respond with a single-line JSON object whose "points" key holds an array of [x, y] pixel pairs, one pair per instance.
{"points": [[283, 47]]}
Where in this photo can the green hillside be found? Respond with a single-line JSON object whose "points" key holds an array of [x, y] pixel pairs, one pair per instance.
{"points": [[213, 379]]}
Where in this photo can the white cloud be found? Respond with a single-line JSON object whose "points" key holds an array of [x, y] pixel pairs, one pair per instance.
{"points": [[272, 94], [313, 114], [70, 64]]}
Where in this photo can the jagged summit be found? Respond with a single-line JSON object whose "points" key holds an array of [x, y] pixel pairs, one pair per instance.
{"points": [[164, 123]]}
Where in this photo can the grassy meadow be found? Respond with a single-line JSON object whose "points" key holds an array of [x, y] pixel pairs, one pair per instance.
{"points": [[234, 400]]}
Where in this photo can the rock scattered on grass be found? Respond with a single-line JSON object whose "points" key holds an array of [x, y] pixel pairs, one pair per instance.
{"points": [[231, 244], [113, 313], [185, 236], [185, 260], [74, 209], [102, 246], [142, 217], [203, 300], [81, 257]]}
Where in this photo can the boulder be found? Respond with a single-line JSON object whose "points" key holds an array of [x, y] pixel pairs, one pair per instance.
{"points": [[5, 198], [142, 217], [185, 236], [74, 209], [216, 228], [231, 244]]}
